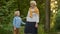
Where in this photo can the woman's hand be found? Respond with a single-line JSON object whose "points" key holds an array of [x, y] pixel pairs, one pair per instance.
{"points": [[36, 25]]}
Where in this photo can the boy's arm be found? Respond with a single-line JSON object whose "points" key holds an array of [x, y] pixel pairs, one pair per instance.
{"points": [[22, 22], [14, 22]]}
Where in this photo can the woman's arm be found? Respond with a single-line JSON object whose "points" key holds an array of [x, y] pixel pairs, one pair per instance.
{"points": [[28, 15], [37, 19]]}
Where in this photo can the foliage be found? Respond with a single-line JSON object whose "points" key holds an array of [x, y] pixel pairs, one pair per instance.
{"points": [[8, 8], [57, 25]]}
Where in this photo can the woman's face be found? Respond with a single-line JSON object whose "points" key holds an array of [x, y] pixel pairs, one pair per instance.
{"points": [[32, 5]]}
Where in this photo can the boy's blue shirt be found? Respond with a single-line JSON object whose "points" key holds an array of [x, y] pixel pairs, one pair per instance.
{"points": [[17, 22]]}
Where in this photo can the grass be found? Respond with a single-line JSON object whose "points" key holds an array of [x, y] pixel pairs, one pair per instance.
{"points": [[8, 29]]}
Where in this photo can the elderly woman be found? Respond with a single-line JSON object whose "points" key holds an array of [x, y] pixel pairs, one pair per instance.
{"points": [[32, 19]]}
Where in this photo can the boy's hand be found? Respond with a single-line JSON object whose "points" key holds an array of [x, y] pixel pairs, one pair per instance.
{"points": [[23, 23], [14, 28], [36, 25]]}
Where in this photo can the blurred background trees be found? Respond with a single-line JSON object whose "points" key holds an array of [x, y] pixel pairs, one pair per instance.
{"points": [[8, 7]]}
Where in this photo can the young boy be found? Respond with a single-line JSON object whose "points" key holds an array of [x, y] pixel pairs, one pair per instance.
{"points": [[17, 22]]}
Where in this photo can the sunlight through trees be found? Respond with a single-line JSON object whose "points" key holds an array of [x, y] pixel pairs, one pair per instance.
{"points": [[54, 8]]}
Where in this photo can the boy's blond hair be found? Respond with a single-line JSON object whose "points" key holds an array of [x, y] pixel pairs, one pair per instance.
{"points": [[17, 13]]}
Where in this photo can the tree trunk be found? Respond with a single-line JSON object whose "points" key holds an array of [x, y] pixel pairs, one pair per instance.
{"points": [[47, 8]]}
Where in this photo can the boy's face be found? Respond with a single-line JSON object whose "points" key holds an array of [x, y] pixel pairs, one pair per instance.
{"points": [[17, 13]]}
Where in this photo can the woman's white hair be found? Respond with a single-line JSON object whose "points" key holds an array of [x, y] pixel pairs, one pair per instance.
{"points": [[33, 2]]}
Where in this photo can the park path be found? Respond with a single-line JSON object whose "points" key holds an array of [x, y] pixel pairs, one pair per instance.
{"points": [[58, 32]]}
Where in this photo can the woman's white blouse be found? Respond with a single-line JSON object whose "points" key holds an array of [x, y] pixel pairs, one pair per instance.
{"points": [[35, 17]]}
